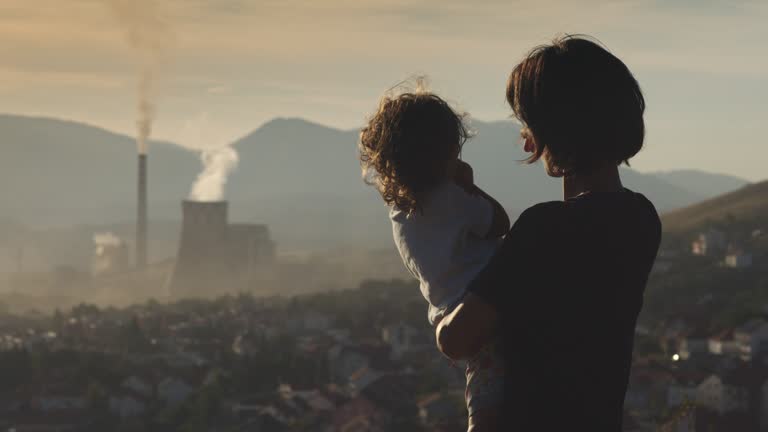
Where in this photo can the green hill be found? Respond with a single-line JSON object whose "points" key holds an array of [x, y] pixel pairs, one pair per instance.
{"points": [[746, 207]]}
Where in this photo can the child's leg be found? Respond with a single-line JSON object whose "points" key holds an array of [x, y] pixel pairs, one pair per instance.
{"points": [[485, 386]]}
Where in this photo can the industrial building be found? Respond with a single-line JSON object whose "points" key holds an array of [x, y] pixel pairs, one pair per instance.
{"points": [[215, 256]]}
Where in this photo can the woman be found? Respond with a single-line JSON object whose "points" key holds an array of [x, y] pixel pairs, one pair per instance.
{"points": [[565, 288]]}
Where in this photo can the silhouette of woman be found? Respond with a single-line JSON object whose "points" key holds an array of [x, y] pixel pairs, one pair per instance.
{"points": [[564, 290]]}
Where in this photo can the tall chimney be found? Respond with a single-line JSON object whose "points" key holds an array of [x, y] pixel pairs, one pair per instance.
{"points": [[141, 218]]}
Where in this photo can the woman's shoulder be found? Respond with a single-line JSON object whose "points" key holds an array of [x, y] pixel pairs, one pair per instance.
{"points": [[536, 221], [542, 212]]}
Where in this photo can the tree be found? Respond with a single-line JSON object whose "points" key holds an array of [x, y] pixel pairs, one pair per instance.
{"points": [[134, 338]]}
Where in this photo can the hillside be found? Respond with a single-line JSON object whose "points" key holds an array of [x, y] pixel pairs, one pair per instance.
{"points": [[746, 206], [700, 182], [301, 178]]}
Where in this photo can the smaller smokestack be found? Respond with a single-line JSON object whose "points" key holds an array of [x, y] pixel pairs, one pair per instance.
{"points": [[141, 217]]}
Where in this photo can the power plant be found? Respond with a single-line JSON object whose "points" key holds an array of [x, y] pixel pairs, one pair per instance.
{"points": [[110, 255], [215, 256]]}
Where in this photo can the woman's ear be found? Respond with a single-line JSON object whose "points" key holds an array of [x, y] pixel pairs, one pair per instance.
{"points": [[529, 146]]}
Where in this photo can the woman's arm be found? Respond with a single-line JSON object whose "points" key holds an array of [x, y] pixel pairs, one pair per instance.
{"points": [[465, 330]]}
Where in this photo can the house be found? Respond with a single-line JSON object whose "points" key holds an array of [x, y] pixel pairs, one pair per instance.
{"points": [[311, 345], [638, 394], [247, 344], [722, 395], [316, 321], [10, 342], [722, 343], [65, 421], [361, 378], [403, 339], [395, 395], [173, 391], [359, 415], [694, 342], [633, 422], [345, 360], [184, 359], [679, 394], [662, 265], [648, 384], [738, 259], [751, 338], [682, 419], [709, 243], [339, 335], [259, 417], [138, 385], [127, 405], [669, 253], [436, 408], [52, 403], [672, 333], [313, 399], [764, 407]]}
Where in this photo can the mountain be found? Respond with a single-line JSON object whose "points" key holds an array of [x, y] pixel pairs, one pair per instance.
{"points": [[55, 172], [747, 207], [322, 162], [700, 182], [301, 178]]}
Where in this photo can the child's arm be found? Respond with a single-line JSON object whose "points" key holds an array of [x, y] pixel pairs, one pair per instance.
{"points": [[500, 222]]}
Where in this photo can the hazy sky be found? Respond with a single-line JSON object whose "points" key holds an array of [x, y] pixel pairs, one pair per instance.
{"points": [[230, 65]]}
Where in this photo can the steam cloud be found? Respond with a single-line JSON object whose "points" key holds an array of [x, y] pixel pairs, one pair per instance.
{"points": [[217, 164], [149, 36], [106, 239]]}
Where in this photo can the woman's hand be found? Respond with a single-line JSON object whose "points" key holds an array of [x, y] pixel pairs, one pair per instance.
{"points": [[465, 330]]}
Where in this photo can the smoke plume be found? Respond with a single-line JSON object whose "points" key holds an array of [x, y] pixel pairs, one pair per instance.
{"points": [[150, 37], [217, 164]]}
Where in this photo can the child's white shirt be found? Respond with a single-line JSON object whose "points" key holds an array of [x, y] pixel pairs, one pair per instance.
{"points": [[444, 245]]}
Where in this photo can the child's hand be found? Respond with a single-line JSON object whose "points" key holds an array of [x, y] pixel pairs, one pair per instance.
{"points": [[465, 176]]}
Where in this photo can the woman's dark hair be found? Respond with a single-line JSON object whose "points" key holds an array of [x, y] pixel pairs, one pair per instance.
{"points": [[407, 144], [580, 103]]}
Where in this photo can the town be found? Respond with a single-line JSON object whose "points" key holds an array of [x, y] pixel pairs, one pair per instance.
{"points": [[701, 351], [364, 359], [355, 360]]}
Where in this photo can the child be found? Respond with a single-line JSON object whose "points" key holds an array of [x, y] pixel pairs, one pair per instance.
{"points": [[445, 227]]}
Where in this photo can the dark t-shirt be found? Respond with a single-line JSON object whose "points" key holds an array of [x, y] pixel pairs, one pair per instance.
{"points": [[568, 284]]}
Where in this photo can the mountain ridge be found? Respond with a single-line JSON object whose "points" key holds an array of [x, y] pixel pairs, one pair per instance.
{"points": [[300, 177]]}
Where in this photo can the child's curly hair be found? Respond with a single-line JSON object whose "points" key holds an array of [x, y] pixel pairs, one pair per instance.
{"points": [[407, 145]]}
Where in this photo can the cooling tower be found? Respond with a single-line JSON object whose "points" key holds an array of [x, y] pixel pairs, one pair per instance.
{"points": [[215, 257], [200, 261], [141, 217]]}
